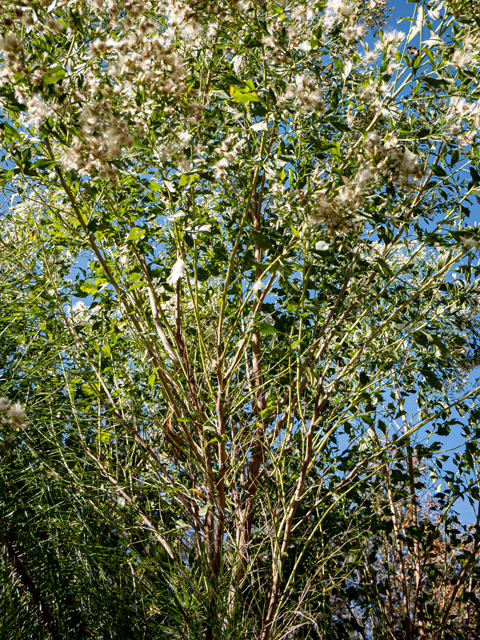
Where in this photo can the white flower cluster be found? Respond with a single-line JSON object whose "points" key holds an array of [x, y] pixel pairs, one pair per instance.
{"points": [[353, 15], [166, 151], [378, 162], [229, 151], [11, 47], [177, 12], [38, 110], [469, 54], [353, 32], [337, 10], [302, 12], [306, 92], [12, 420], [115, 67], [137, 60], [464, 114], [91, 150], [389, 161], [178, 271], [390, 42], [10, 43], [335, 210], [367, 441], [185, 20]]}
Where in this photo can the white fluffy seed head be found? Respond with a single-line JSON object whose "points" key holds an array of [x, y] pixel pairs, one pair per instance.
{"points": [[178, 272]]}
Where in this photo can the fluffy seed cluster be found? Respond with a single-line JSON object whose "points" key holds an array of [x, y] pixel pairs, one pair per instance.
{"points": [[335, 208], [389, 161], [306, 92], [352, 17], [379, 162], [229, 151], [12, 421], [131, 54], [38, 110], [464, 120]]}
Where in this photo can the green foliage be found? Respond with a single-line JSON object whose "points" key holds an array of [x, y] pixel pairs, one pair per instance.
{"points": [[240, 306]]}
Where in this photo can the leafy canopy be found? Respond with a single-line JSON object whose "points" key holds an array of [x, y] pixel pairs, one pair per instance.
{"points": [[235, 238]]}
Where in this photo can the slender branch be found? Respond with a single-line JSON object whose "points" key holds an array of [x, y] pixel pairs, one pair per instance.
{"points": [[30, 586]]}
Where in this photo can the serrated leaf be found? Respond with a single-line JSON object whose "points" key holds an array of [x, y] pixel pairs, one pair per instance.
{"points": [[262, 240], [221, 94]]}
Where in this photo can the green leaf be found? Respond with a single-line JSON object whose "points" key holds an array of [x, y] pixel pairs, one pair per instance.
{"points": [[89, 289], [425, 339], [475, 175], [10, 132], [432, 379], [245, 95], [339, 64], [54, 75], [364, 379], [137, 285], [44, 163], [208, 427], [455, 157], [203, 511], [436, 83], [221, 94], [384, 268], [262, 240], [135, 234], [265, 328], [423, 133], [341, 126], [416, 62], [438, 170]]}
